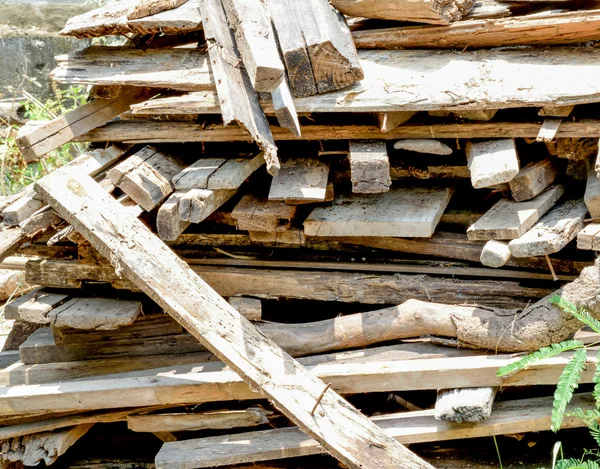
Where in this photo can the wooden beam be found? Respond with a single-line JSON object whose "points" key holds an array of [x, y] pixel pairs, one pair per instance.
{"points": [[250, 308], [100, 314], [21, 209], [300, 181], [34, 306], [495, 254], [533, 179], [254, 214], [196, 175], [237, 98], [589, 237], [492, 162], [285, 108], [571, 27], [234, 172], [369, 167], [509, 220], [219, 327], [169, 224], [198, 204], [471, 405], [433, 12]]}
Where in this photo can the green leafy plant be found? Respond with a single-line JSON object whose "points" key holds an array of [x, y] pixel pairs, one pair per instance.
{"points": [[567, 383]]}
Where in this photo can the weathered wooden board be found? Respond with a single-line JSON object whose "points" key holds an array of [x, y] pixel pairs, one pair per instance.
{"points": [[254, 214], [369, 167], [196, 175], [592, 192], [554, 231], [234, 172], [198, 204], [169, 224], [492, 162], [495, 254], [21, 209], [301, 180], [152, 7], [343, 430], [589, 237], [34, 306], [405, 212], [509, 220], [102, 314], [250, 308], [423, 145], [533, 179]]}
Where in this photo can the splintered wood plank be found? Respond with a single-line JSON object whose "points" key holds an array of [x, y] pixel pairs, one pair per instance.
{"points": [[234, 172], [509, 220], [146, 176], [521, 415], [492, 162], [285, 108], [169, 225], [35, 143], [301, 180], [251, 23], [390, 120], [592, 192], [34, 306], [102, 314], [533, 179], [423, 145], [198, 204], [495, 254], [237, 98], [217, 420], [432, 12], [553, 232], [177, 68], [369, 167], [152, 7], [254, 214], [197, 174], [112, 20], [464, 405], [410, 213], [345, 432]]}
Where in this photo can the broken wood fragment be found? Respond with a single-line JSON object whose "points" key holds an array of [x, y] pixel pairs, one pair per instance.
{"points": [[169, 224], [151, 7], [556, 111], [390, 120], [300, 181], [471, 405], [234, 172], [423, 145], [34, 306], [533, 179], [492, 162], [254, 214], [198, 204], [101, 314], [285, 109], [21, 209], [369, 167], [495, 254]]}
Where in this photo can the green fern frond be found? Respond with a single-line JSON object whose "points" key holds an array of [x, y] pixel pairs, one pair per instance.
{"points": [[596, 380], [567, 383], [541, 354], [587, 415], [576, 464], [580, 313], [594, 429]]}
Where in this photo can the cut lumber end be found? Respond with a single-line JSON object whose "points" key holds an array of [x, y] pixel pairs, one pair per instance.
{"points": [[495, 254], [465, 405]]}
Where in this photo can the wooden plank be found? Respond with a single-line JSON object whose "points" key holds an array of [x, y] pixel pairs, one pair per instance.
{"points": [[254, 214], [181, 422], [198, 204], [350, 437], [553, 232], [237, 98], [34, 306], [250, 308], [556, 111], [432, 12], [509, 220], [589, 237], [102, 314], [285, 109], [152, 7], [471, 405], [400, 212], [291, 236], [492, 162], [234, 172], [390, 120], [548, 130], [533, 179], [423, 145], [369, 167], [21, 209], [251, 24], [524, 415], [196, 175], [112, 20], [495, 254], [169, 225], [477, 115], [592, 192], [34, 144], [301, 180]]}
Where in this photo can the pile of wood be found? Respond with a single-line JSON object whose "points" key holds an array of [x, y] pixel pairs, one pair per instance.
{"points": [[380, 222]]}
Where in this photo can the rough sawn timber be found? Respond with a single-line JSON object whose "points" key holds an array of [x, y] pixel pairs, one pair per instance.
{"points": [[142, 257]]}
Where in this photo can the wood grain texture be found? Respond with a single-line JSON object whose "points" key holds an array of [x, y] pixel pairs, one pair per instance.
{"points": [[471, 405], [300, 180], [34, 306], [369, 167], [492, 162], [533, 179]]}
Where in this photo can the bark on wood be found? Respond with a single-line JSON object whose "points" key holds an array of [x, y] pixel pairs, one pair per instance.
{"points": [[492, 162], [533, 179], [238, 100], [592, 192], [495, 254], [553, 232], [464, 405], [400, 212], [429, 146], [208, 318], [34, 306], [571, 27], [254, 214], [300, 181], [433, 12], [509, 220], [369, 167], [152, 7]]}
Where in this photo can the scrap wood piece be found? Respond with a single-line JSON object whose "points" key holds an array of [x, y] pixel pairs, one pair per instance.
{"points": [[592, 192], [250, 308], [293, 236], [146, 176], [151, 7], [533, 179], [255, 214], [35, 143], [251, 24], [553, 232], [576, 148], [234, 172], [404, 212], [471, 405], [198, 204], [423, 145], [349, 436], [34, 306], [495, 254], [432, 12], [369, 166], [101, 314], [548, 130], [237, 98], [477, 115], [522, 415], [569, 27], [492, 162], [21, 209], [47, 446], [390, 120], [112, 19], [196, 175], [589, 237], [302, 180], [509, 220], [216, 420], [556, 111], [285, 108], [169, 224]]}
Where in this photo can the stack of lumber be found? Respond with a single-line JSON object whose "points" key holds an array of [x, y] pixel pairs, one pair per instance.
{"points": [[378, 222]]}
